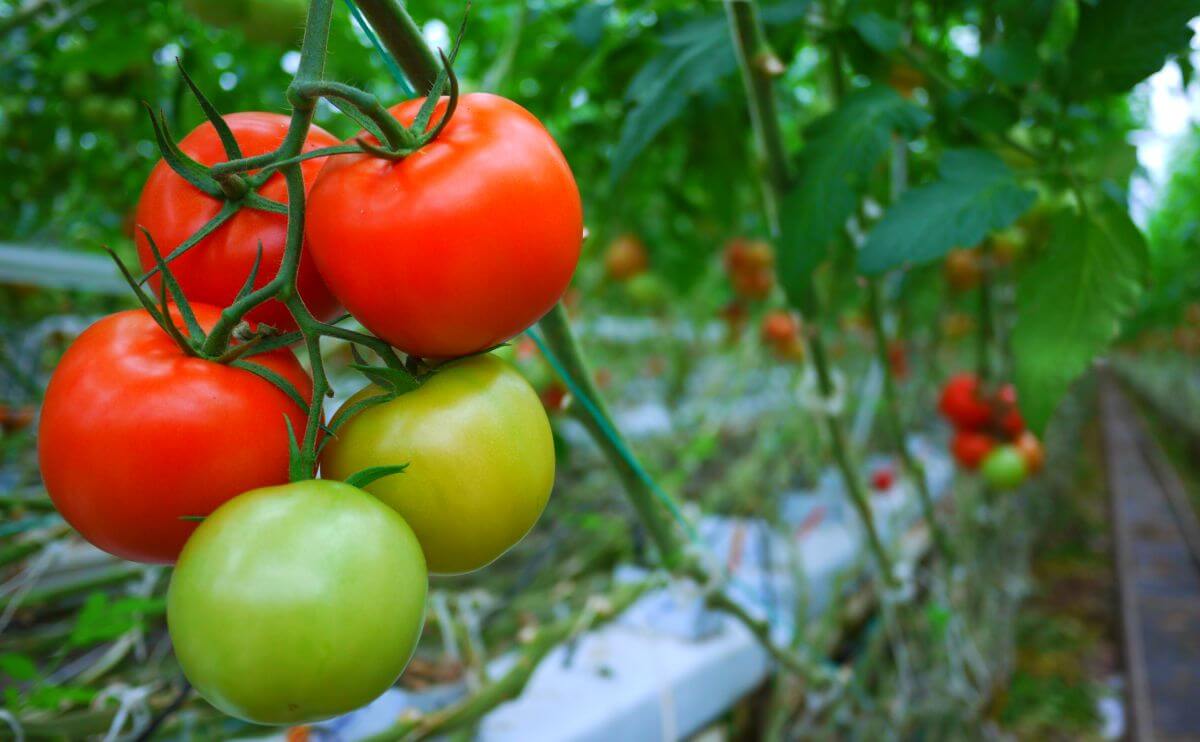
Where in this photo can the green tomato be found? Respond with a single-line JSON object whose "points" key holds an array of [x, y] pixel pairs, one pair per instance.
{"points": [[1004, 468], [480, 460], [278, 22], [647, 290], [296, 603]]}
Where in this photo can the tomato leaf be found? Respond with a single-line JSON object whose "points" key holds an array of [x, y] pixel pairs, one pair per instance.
{"points": [[976, 194], [1071, 302], [841, 149], [881, 34], [1013, 60], [396, 381], [371, 474], [695, 59], [1118, 43], [275, 379]]}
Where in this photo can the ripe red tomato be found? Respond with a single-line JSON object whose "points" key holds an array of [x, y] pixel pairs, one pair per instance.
{"points": [[746, 256], [883, 478], [897, 357], [135, 434], [779, 327], [753, 284], [459, 246], [962, 404], [971, 447], [211, 272], [625, 258]]}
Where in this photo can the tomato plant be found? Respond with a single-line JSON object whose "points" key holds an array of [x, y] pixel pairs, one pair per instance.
{"points": [[480, 460], [212, 271], [297, 603], [457, 249], [136, 435]]}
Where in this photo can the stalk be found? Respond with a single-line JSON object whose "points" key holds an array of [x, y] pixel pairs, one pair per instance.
{"points": [[752, 49], [891, 406]]}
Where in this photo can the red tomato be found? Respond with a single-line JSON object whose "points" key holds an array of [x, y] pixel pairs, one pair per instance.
{"points": [[459, 246], [625, 258], [897, 360], [171, 209], [135, 434], [747, 256], [883, 478], [970, 447], [753, 284], [779, 327], [1011, 423], [961, 403]]}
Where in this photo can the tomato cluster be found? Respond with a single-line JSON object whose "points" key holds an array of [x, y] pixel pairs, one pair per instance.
{"points": [[989, 433], [157, 448]]}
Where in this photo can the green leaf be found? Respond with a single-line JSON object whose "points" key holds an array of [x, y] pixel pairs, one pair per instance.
{"points": [[102, 619], [18, 666], [977, 194], [881, 34], [1118, 43], [696, 58], [365, 477], [395, 381], [1071, 303], [840, 152], [1013, 60]]}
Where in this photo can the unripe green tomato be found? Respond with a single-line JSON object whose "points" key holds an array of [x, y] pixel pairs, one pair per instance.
{"points": [[480, 460], [1004, 468], [76, 84], [279, 22], [647, 290], [297, 603], [121, 112]]}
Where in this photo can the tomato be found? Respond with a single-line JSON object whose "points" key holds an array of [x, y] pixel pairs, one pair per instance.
{"points": [[1031, 451], [480, 460], [970, 447], [897, 357], [297, 603], [962, 404], [555, 397], [883, 478], [754, 284], [278, 22], [625, 258], [1004, 468], [957, 325], [135, 435], [459, 246], [171, 209], [779, 327], [963, 270], [747, 256], [904, 79], [647, 291]]}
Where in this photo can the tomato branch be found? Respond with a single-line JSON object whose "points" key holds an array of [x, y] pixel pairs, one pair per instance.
{"points": [[751, 47]]}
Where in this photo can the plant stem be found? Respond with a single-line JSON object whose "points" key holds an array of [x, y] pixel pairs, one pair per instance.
{"points": [[751, 45], [557, 330], [399, 34], [983, 348], [891, 406]]}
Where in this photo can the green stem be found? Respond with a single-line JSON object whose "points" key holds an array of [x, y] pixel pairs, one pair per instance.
{"points": [[891, 406], [983, 348], [750, 44], [396, 135], [401, 36], [559, 336]]}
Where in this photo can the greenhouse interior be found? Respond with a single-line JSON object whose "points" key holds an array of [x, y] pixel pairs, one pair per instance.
{"points": [[599, 370]]}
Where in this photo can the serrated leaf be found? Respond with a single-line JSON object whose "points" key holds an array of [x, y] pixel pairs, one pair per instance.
{"points": [[977, 194], [881, 34], [840, 151], [394, 380], [1013, 60], [1071, 303], [696, 58], [371, 474], [1118, 43]]}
